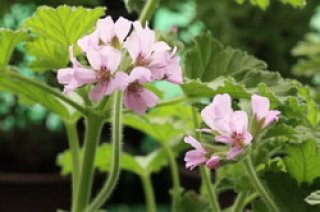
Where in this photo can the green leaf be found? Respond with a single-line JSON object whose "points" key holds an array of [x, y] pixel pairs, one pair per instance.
{"points": [[8, 40], [303, 161], [134, 5], [265, 83], [49, 55], [33, 94], [288, 194], [263, 4], [55, 30], [191, 202], [208, 59], [138, 165], [313, 198], [164, 123]]}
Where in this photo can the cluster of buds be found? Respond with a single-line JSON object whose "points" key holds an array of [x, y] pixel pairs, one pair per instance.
{"points": [[229, 127], [106, 49]]}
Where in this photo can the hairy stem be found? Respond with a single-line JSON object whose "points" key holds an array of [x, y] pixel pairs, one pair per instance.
{"points": [[113, 177], [73, 139], [148, 10], [93, 130], [258, 185], [240, 202], [175, 178], [149, 192], [205, 172]]}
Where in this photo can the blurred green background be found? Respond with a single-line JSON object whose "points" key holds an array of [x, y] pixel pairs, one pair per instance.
{"points": [[288, 39]]}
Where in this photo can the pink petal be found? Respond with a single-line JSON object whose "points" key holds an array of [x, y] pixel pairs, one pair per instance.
{"points": [[94, 58], [239, 122], [247, 138], [149, 97], [224, 139], [121, 80], [218, 109], [174, 71], [65, 75], [98, 92], [161, 46], [122, 28], [194, 158], [88, 42], [272, 116], [132, 44], [85, 76], [234, 152], [105, 28], [111, 58], [134, 102], [260, 106], [213, 162], [195, 144], [140, 74]]}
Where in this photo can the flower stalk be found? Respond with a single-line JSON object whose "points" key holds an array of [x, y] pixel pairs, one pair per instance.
{"points": [[113, 177], [94, 126], [258, 185], [149, 192]]}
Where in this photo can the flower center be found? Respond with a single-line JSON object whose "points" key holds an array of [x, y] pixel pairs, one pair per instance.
{"points": [[141, 60], [134, 87], [238, 140], [104, 74]]}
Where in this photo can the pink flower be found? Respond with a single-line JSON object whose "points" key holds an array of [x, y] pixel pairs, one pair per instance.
{"points": [[217, 113], [90, 41], [234, 133], [104, 63], [136, 96], [113, 33], [146, 52], [261, 109], [66, 76], [196, 157]]}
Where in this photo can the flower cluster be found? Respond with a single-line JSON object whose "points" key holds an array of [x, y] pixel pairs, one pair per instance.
{"points": [[229, 127], [106, 48]]}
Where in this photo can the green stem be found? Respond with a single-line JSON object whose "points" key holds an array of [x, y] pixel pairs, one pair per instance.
{"points": [[240, 202], [205, 176], [112, 180], [148, 10], [71, 129], [205, 172], [258, 184], [149, 193], [46, 88], [94, 126], [175, 178], [171, 101]]}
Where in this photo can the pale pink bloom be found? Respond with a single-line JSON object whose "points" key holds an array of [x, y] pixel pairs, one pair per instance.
{"points": [[66, 76], [113, 33], [194, 157], [261, 109], [217, 113], [136, 96], [146, 52], [90, 41], [198, 155], [104, 63], [234, 132], [213, 162]]}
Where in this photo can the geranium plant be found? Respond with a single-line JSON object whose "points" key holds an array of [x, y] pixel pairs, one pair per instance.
{"points": [[251, 129]]}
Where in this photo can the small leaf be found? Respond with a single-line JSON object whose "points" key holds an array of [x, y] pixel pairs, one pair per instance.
{"points": [[55, 30], [208, 59], [313, 198], [134, 5], [303, 161], [8, 40], [192, 202]]}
